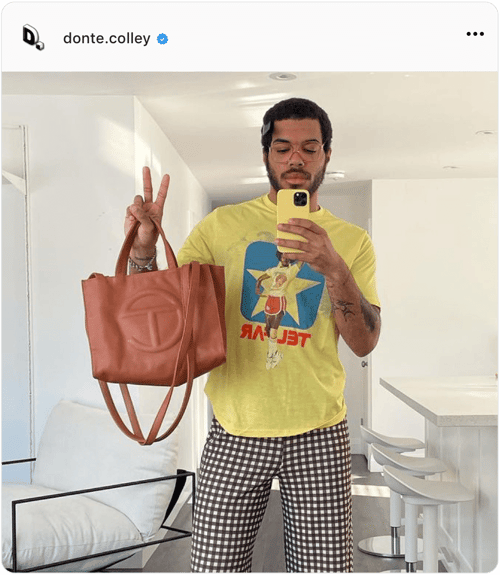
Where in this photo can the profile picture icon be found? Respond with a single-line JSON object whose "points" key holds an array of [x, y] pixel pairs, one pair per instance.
{"points": [[31, 37]]}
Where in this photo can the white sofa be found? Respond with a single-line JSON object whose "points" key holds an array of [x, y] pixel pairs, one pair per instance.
{"points": [[81, 449]]}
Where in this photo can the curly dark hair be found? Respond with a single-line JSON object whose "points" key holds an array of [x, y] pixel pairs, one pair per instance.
{"points": [[296, 109]]}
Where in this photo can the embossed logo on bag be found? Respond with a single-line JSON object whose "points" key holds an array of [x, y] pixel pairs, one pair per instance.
{"points": [[152, 327]]}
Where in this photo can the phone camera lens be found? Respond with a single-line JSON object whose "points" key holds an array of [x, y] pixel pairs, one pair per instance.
{"points": [[300, 199]]}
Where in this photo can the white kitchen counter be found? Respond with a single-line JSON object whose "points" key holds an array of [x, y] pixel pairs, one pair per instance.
{"points": [[461, 418], [462, 401]]}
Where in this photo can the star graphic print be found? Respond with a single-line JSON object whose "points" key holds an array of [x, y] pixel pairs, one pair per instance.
{"points": [[303, 292]]}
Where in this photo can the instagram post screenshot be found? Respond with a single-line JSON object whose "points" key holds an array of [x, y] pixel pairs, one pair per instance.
{"points": [[249, 286]]}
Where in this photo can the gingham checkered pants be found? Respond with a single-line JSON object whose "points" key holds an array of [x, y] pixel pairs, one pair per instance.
{"points": [[314, 471]]}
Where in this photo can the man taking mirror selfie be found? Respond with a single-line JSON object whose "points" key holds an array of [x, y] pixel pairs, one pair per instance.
{"points": [[278, 402]]}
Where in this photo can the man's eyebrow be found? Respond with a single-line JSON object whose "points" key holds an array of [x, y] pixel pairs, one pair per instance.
{"points": [[284, 141]]}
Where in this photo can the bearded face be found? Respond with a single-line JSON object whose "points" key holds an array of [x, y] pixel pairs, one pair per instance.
{"points": [[311, 182], [296, 158]]}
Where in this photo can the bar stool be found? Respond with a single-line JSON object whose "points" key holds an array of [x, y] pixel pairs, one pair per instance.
{"points": [[398, 444], [416, 491], [416, 466], [392, 545]]}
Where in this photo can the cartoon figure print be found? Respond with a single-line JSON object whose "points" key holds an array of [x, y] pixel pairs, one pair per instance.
{"points": [[281, 276]]}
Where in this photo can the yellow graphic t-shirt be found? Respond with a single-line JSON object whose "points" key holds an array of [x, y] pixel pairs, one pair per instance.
{"points": [[294, 383]]}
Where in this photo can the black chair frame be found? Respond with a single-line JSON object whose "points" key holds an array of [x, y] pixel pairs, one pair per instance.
{"points": [[180, 478]]}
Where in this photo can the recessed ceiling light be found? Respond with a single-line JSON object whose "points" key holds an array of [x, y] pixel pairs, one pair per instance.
{"points": [[486, 133], [451, 167], [282, 76]]}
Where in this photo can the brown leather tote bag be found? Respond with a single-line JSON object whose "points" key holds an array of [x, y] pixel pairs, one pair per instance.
{"points": [[161, 328]]}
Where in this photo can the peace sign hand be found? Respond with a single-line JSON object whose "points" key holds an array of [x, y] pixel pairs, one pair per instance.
{"points": [[145, 210]]}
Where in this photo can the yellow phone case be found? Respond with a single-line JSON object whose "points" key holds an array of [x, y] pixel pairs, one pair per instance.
{"points": [[286, 210]]}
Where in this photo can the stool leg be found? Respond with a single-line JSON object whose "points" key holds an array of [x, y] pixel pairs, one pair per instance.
{"points": [[393, 545], [411, 537], [395, 508], [430, 539], [387, 545]]}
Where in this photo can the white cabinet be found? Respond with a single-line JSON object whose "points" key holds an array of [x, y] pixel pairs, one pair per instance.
{"points": [[461, 426]]}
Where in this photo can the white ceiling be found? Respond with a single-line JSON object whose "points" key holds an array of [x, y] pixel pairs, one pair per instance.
{"points": [[386, 125]]}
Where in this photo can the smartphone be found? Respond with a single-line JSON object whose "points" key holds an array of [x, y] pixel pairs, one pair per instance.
{"points": [[292, 204]]}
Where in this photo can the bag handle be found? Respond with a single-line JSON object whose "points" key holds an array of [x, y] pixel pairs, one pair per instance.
{"points": [[121, 264], [190, 277], [191, 285]]}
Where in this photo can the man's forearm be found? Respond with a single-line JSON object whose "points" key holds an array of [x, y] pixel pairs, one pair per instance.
{"points": [[357, 320]]}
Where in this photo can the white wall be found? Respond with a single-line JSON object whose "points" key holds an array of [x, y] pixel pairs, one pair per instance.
{"points": [[436, 245], [350, 201], [16, 388], [81, 168], [85, 158]]}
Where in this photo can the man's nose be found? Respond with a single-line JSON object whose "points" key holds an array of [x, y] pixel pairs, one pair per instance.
{"points": [[295, 159]]}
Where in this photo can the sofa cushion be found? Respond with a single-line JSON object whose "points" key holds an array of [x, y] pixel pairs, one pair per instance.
{"points": [[63, 528], [81, 447]]}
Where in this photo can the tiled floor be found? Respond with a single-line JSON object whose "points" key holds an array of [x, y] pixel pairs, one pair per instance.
{"points": [[370, 514]]}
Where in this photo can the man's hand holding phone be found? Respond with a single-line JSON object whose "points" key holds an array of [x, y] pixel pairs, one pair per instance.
{"points": [[315, 248]]}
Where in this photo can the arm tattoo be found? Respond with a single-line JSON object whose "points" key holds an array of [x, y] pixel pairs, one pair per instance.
{"points": [[370, 314], [343, 306]]}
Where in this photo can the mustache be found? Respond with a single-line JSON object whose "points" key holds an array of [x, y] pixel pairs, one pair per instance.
{"points": [[295, 171]]}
